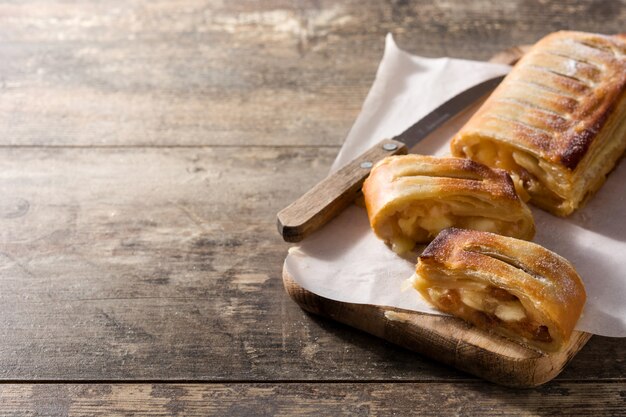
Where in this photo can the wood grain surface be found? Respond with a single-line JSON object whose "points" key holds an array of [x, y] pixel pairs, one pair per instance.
{"points": [[312, 399], [146, 147]]}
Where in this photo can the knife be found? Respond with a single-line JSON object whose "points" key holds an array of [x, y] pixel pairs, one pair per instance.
{"points": [[334, 193]]}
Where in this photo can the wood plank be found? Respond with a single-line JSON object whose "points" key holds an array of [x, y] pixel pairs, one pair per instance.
{"points": [[234, 73], [161, 264], [165, 264], [312, 399]]}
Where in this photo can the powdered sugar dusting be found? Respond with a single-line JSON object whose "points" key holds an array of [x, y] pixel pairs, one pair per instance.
{"points": [[571, 67]]}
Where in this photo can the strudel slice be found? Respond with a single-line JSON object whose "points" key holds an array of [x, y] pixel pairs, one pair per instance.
{"points": [[411, 198], [509, 286], [557, 123]]}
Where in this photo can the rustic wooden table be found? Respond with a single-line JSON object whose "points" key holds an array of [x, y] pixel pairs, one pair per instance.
{"points": [[146, 147]]}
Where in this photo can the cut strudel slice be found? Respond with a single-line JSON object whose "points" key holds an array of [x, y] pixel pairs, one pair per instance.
{"points": [[515, 288], [411, 198]]}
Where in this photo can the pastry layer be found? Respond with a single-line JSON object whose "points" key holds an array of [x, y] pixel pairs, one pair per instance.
{"points": [[411, 198], [515, 288], [557, 123]]}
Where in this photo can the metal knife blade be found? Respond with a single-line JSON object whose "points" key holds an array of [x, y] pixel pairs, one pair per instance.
{"points": [[429, 123], [333, 194]]}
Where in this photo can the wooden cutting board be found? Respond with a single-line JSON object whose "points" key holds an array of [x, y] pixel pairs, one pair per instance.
{"points": [[444, 338]]}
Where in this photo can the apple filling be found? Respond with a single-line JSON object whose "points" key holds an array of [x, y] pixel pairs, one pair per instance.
{"points": [[421, 223], [525, 170], [490, 307]]}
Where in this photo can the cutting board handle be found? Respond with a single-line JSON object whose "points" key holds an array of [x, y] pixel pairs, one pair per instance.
{"points": [[333, 194]]}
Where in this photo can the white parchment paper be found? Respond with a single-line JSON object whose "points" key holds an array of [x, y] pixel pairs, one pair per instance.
{"points": [[344, 261]]}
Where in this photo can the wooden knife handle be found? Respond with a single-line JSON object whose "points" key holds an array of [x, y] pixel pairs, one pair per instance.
{"points": [[333, 194]]}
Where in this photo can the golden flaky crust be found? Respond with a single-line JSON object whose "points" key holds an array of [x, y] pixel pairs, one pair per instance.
{"points": [[544, 294], [557, 122], [411, 198]]}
